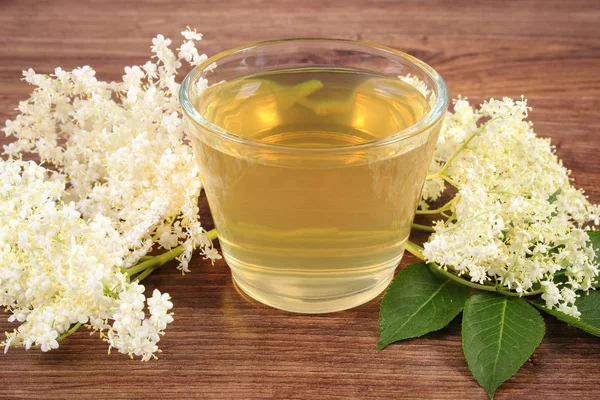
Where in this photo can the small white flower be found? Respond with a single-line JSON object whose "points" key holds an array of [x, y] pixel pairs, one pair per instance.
{"points": [[188, 51], [190, 34], [160, 45], [133, 76], [30, 76], [150, 69], [48, 341], [551, 294], [159, 302]]}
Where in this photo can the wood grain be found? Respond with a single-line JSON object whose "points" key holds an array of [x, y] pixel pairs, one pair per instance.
{"points": [[223, 345]]}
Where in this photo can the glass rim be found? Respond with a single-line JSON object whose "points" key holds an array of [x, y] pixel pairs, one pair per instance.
{"points": [[435, 113]]}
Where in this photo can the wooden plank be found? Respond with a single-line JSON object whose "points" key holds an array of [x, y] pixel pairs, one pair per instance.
{"points": [[223, 345]]}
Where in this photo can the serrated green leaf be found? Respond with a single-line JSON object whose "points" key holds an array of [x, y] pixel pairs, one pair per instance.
{"points": [[417, 302], [595, 242], [589, 307], [499, 334]]}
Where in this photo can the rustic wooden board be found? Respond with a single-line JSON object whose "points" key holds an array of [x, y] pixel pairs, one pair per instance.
{"points": [[223, 345]]}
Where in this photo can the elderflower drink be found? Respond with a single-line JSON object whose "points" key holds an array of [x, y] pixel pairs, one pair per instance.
{"points": [[313, 155]]}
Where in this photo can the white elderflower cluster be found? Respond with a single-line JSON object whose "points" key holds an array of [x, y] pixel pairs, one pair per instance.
{"points": [[516, 220], [59, 270], [121, 149]]}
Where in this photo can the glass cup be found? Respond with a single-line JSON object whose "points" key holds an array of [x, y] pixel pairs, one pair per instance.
{"points": [[311, 228]]}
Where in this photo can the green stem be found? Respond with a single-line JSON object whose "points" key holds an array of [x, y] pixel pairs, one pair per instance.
{"points": [[139, 267], [156, 261], [424, 228], [444, 214], [414, 249], [146, 273], [417, 251], [450, 181], [433, 211], [465, 282], [444, 177], [428, 212], [212, 234], [439, 210], [70, 331], [162, 259]]}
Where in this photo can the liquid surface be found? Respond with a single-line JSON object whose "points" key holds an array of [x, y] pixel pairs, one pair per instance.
{"points": [[313, 232], [313, 108]]}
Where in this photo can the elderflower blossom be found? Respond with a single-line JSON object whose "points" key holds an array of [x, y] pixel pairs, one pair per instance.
{"points": [[516, 219], [120, 146], [58, 269]]}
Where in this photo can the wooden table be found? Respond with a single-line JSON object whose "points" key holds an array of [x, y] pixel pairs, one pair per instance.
{"points": [[225, 346]]}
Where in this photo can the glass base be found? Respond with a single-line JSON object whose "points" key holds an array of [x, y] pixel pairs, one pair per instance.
{"points": [[313, 306]]}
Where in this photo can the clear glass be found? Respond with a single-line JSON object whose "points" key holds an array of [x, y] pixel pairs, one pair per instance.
{"points": [[311, 229]]}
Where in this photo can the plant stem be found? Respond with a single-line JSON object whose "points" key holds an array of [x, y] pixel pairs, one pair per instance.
{"points": [[417, 251], [70, 331], [161, 259], [146, 273], [424, 228], [414, 249], [444, 214], [439, 210], [212, 234], [450, 181], [140, 267], [156, 261], [434, 211], [444, 177], [465, 282]]}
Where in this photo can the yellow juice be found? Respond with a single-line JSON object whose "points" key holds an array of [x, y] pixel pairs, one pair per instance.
{"points": [[308, 219]]}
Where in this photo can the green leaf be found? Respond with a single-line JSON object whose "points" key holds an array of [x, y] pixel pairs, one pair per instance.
{"points": [[499, 334], [417, 302], [595, 243], [589, 307]]}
